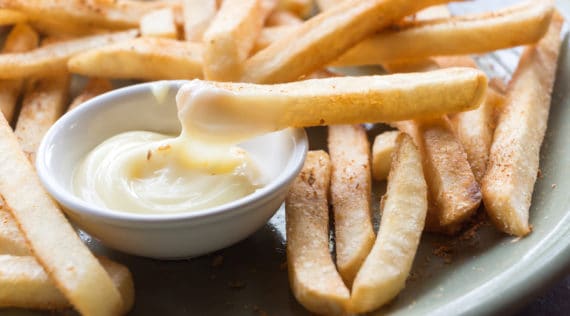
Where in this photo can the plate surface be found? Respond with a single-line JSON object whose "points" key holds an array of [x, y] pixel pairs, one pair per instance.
{"points": [[481, 273]]}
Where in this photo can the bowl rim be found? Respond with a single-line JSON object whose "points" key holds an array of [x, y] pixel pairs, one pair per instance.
{"points": [[79, 206]]}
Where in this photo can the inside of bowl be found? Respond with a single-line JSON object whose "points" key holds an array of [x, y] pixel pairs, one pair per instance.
{"points": [[144, 107]]}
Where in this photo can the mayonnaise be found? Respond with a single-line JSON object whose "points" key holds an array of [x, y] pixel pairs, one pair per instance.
{"points": [[150, 173]]}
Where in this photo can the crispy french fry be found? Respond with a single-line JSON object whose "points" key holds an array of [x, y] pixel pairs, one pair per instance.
{"points": [[382, 149], [67, 261], [323, 38], [56, 28], [141, 58], [474, 129], [454, 194], [44, 102], [414, 65], [384, 272], [230, 38], [514, 158], [333, 101], [197, 17], [159, 23], [53, 58], [93, 88], [302, 8], [282, 17], [312, 274], [476, 33], [269, 35], [24, 284], [22, 38], [11, 240], [350, 189], [327, 4], [100, 14], [9, 17]]}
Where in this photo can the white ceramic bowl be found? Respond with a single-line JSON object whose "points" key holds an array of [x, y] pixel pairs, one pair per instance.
{"points": [[159, 236]]}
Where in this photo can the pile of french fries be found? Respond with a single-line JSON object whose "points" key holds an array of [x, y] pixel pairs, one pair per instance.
{"points": [[456, 143]]}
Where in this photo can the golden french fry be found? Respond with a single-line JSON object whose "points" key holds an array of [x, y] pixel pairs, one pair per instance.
{"points": [[197, 17], [68, 262], [327, 4], [93, 88], [474, 128], [454, 194], [282, 17], [9, 17], [44, 102], [333, 101], [24, 284], [382, 149], [384, 272], [159, 23], [269, 35], [56, 28], [141, 58], [99, 14], [323, 38], [53, 58], [514, 158], [312, 274], [476, 33], [350, 189], [230, 38], [413, 65], [301, 8], [20, 39], [11, 240]]}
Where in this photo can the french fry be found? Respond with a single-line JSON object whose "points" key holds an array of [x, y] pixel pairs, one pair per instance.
{"points": [[269, 35], [382, 149], [197, 17], [24, 284], [56, 28], [100, 14], [11, 240], [323, 38], [460, 35], [313, 277], [498, 85], [141, 58], [454, 194], [334, 101], [282, 17], [22, 38], [474, 129], [514, 158], [159, 23], [327, 4], [350, 189], [67, 261], [230, 38], [384, 272], [53, 58], [301, 8], [93, 88], [9, 17], [44, 102]]}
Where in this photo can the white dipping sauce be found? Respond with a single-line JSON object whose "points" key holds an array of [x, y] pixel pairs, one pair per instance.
{"points": [[151, 173]]}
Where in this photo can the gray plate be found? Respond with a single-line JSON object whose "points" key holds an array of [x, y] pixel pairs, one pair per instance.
{"points": [[483, 274]]}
